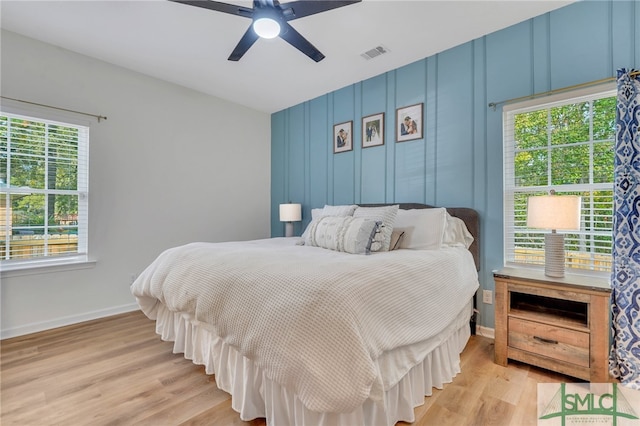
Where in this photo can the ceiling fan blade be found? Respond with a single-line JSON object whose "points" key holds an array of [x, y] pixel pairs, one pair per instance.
{"points": [[299, 9], [294, 38], [219, 7], [244, 44]]}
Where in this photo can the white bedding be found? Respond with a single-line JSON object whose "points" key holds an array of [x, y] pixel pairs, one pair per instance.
{"points": [[316, 322], [254, 395]]}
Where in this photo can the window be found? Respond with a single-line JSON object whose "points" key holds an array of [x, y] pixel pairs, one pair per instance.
{"points": [[565, 144], [43, 191]]}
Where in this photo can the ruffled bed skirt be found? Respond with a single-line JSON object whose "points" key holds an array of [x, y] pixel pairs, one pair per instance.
{"points": [[254, 395]]}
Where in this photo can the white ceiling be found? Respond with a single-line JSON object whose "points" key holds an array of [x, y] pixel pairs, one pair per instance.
{"points": [[189, 45]]}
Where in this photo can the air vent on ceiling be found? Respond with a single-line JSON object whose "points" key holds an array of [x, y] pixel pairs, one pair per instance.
{"points": [[376, 51]]}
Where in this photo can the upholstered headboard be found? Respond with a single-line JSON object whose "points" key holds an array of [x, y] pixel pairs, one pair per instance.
{"points": [[469, 217]]}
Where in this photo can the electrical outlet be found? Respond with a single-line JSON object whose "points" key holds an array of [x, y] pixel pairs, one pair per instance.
{"points": [[487, 297]]}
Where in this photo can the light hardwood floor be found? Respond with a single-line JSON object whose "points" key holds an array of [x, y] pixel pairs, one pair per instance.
{"points": [[117, 371]]}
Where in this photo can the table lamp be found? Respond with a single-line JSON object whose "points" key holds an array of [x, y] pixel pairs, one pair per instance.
{"points": [[290, 213], [554, 212]]}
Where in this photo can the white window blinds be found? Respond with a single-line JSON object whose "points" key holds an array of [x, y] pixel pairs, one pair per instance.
{"points": [[43, 189]]}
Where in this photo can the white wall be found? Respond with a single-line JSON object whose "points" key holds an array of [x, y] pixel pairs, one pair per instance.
{"points": [[168, 166]]}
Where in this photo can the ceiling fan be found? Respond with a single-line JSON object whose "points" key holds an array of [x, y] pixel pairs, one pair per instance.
{"points": [[270, 20]]}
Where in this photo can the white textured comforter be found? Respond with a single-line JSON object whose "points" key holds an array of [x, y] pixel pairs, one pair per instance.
{"points": [[313, 319]]}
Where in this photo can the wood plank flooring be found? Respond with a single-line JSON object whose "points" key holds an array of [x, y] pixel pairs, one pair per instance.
{"points": [[117, 371]]}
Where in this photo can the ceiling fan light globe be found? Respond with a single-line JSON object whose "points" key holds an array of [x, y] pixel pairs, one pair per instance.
{"points": [[266, 27]]}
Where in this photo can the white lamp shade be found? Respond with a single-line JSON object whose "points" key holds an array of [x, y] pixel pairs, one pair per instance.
{"points": [[290, 212], [554, 212]]}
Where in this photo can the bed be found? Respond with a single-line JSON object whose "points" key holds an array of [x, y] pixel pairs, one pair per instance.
{"points": [[332, 328]]}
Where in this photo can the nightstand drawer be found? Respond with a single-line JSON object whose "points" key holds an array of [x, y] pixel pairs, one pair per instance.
{"points": [[550, 341]]}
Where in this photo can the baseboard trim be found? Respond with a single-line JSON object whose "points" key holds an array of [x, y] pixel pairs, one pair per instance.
{"points": [[486, 332], [102, 313], [69, 320]]}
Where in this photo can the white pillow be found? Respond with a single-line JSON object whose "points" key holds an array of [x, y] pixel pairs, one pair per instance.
{"points": [[346, 210], [456, 233], [342, 233], [316, 214], [423, 228], [387, 216]]}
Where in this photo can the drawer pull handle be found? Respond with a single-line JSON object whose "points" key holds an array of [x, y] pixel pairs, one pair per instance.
{"points": [[543, 340]]}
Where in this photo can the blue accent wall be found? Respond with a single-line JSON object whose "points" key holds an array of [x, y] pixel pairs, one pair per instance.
{"points": [[458, 162]]}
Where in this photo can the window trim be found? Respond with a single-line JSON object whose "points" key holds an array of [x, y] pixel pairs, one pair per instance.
{"points": [[508, 190], [46, 265], [16, 267]]}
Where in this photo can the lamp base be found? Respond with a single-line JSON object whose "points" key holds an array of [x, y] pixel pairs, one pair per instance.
{"points": [[554, 255], [288, 229]]}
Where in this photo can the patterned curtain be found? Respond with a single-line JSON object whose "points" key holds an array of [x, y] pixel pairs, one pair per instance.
{"points": [[624, 361]]}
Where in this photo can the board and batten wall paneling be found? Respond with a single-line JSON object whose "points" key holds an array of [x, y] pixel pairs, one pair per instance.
{"points": [[507, 76], [479, 113], [410, 173], [373, 160], [625, 13], [581, 54], [454, 127], [279, 174], [343, 103], [296, 159], [388, 194], [430, 119], [357, 142], [540, 49], [319, 148], [459, 160]]}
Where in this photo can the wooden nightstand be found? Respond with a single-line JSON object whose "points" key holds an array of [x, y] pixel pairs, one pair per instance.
{"points": [[561, 324]]}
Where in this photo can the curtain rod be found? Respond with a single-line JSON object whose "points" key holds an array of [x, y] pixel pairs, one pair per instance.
{"points": [[555, 91], [99, 117]]}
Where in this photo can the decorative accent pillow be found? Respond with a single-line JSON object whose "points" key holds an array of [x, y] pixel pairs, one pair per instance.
{"points": [[342, 233], [384, 214], [327, 210], [396, 237], [456, 233], [423, 228]]}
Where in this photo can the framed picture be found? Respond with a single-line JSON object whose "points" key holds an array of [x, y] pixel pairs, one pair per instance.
{"points": [[342, 137], [373, 130], [409, 123]]}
